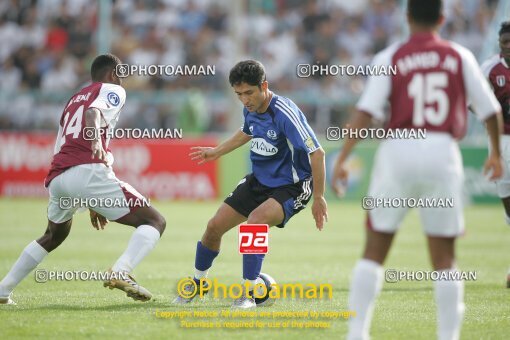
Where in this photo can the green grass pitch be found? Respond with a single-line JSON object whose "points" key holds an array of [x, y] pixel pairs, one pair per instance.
{"points": [[298, 254]]}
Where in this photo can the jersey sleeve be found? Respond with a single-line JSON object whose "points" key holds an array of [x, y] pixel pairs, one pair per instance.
{"points": [[488, 65], [292, 122], [110, 100], [378, 87], [478, 91], [245, 128]]}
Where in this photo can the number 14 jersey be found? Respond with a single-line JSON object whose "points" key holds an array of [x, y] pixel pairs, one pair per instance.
{"points": [[73, 144]]}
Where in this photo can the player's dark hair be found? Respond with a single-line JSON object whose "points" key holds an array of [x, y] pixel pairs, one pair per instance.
{"points": [[251, 72], [425, 12], [102, 65], [504, 28]]}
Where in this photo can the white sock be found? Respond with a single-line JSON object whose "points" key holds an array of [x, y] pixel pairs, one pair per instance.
{"points": [[365, 286], [140, 245], [450, 308], [251, 284], [507, 219], [201, 273], [30, 257]]}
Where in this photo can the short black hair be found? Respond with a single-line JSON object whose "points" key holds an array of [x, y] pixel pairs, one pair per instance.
{"points": [[102, 65], [505, 28], [425, 12], [251, 72]]}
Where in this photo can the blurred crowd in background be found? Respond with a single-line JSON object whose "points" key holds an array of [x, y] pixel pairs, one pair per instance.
{"points": [[47, 47]]}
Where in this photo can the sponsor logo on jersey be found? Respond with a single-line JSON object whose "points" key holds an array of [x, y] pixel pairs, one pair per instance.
{"points": [[272, 134], [113, 98], [500, 80], [251, 129], [261, 147]]}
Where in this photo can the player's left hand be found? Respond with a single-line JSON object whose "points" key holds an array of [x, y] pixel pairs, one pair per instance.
{"points": [[320, 212], [494, 167], [98, 221]]}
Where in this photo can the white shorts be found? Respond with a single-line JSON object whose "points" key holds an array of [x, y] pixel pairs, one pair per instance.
{"points": [[429, 168], [503, 184], [95, 186]]}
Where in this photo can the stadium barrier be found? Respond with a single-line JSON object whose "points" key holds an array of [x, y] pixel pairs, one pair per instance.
{"points": [[161, 169]]}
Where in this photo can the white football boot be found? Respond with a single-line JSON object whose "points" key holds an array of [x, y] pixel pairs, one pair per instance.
{"points": [[246, 301]]}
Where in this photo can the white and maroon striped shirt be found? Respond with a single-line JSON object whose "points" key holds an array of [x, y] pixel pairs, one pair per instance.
{"points": [[497, 72], [71, 148], [435, 81]]}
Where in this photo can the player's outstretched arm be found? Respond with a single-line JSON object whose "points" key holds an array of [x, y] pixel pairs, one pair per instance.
{"points": [[493, 164], [361, 120], [319, 206], [206, 154], [92, 129]]}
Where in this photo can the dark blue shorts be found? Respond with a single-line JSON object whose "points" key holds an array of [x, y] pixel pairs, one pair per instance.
{"points": [[250, 193]]}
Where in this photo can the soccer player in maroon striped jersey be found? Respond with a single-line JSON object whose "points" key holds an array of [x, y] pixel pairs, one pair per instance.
{"points": [[82, 169], [497, 71], [435, 81]]}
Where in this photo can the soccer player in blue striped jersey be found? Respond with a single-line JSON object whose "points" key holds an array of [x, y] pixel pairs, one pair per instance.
{"points": [[287, 171]]}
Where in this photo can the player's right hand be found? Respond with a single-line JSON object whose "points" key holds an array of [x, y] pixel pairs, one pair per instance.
{"points": [[98, 221], [493, 167], [98, 151], [339, 179], [203, 154]]}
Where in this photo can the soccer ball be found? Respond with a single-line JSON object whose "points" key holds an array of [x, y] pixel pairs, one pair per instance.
{"points": [[265, 300]]}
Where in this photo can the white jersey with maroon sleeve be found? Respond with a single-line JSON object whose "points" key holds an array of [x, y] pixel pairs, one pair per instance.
{"points": [[75, 180], [434, 83], [73, 146], [497, 72]]}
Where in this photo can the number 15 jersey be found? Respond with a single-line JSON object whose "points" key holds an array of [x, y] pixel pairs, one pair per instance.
{"points": [[435, 82]]}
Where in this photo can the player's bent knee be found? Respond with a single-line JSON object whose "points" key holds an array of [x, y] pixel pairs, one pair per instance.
{"points": [[258, 217]]}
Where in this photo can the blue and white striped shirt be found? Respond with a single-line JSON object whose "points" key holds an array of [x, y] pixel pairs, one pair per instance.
{"points": [[281, 143]]}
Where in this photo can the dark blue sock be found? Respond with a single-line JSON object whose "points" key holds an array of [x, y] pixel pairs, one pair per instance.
{"points": [[204, 257], [252, 264]]}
